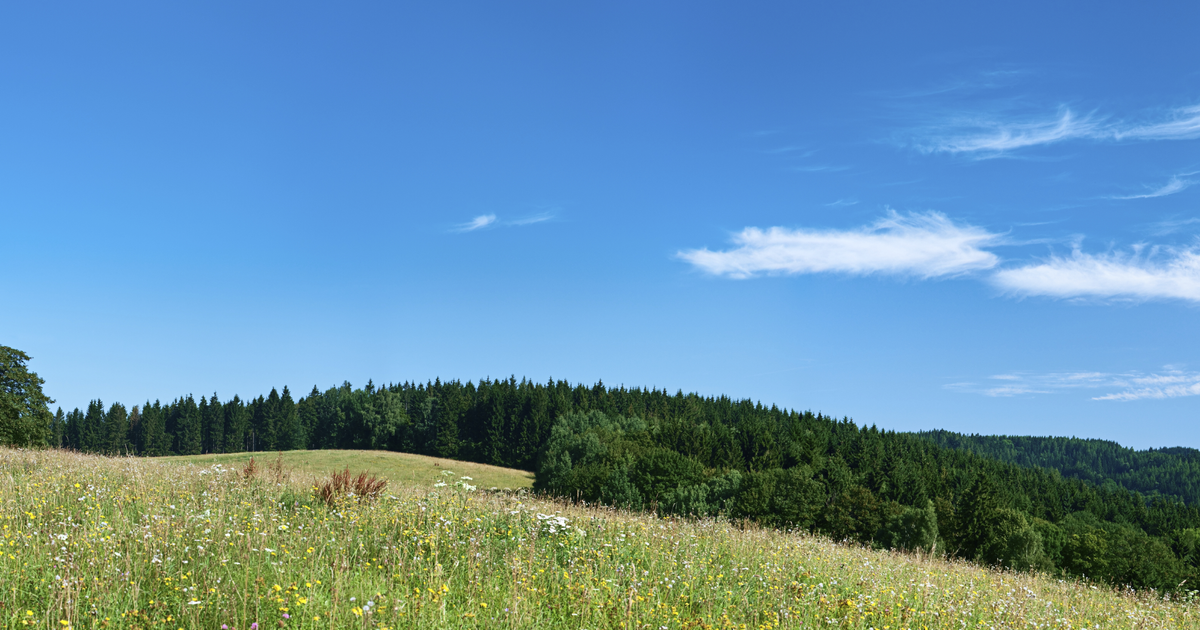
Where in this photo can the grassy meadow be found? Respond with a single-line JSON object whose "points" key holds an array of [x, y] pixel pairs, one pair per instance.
{"points": [[94, 542], [398, 468]]}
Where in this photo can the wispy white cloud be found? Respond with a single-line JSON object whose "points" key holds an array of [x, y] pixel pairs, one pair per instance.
{"points": [[1182, 124], [531, 219], [991, 137], [489, 220], [1142, 274], [994, 136], [1170, 226], [924, 245], [842, 202], [1177, 183], [478, 222], [1171, 382]]}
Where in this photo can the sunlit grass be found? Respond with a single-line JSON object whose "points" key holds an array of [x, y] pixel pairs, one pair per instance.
{"points": [[399, 468], [90, 542]]}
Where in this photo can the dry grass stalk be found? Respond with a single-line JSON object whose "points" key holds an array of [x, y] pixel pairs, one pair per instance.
{"points": [[363, 487], [250, 470]]}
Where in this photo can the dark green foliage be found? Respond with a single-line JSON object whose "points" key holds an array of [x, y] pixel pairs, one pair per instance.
{"points": [[212, 419], [116, 430], [184, 422], [92, 435], [58, 429], [909, 528], [1172, 472]]}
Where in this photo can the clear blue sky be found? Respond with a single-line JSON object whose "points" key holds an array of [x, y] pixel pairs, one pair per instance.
{"points": [[982, 219]]}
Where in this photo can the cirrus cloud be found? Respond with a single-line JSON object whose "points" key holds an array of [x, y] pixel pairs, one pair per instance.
{"points": [[477, 223], [1171, 382], [996, 135]]}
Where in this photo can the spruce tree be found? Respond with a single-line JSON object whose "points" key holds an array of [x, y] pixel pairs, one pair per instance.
{"points": [[92, 439], [977, 515], [188, 439], [289, 435], [237, 424], [116, 430], [59, 427], [214, 426]]}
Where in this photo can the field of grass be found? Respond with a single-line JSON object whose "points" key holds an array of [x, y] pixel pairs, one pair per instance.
{"points": [[92, 542], [399, 468]]}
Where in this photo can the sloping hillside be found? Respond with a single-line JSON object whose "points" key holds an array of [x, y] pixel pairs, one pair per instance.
{"points": [[140, 543]]}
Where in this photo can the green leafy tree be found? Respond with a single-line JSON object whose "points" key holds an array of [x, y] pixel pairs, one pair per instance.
{"points": [[24, 409], [911, 529]]}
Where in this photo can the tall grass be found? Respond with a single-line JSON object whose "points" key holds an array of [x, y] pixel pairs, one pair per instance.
{"points": [[90, 542]]}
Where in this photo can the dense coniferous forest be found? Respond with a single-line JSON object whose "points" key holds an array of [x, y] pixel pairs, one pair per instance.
{"points": [[1172, 472], [692, 455]]}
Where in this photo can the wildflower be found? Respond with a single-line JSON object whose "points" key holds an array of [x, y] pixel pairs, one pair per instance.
{"points": [[254, 626]]}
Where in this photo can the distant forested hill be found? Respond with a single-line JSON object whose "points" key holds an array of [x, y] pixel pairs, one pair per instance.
{"points": [[1171, 472]]}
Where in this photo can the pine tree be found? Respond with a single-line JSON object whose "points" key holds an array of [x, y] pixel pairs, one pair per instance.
{"points": [[237, 425], [188, 438], [977, 514], [58, 429], [214, 426], [116, 430], [289, 436], [136, 438], [270, 422], [92, 438], [74, 431]]}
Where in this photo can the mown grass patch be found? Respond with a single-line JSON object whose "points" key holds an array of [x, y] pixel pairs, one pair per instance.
{"points": [[93, 542]]}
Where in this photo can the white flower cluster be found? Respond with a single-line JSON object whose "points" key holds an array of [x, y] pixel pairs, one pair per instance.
{"points": [[461, 483], [553, 523]]}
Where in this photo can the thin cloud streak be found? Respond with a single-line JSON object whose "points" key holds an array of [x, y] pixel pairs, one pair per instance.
{"points": [[1143, 274], [923, 245], [478, 222], [1183, 125], [1177, 183], [993, 138], [1169, 383], [531, 219], [997, 138]]}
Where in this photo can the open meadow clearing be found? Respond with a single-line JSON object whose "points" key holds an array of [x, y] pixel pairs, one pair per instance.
{"points": [[398, 468], [94, 542]]}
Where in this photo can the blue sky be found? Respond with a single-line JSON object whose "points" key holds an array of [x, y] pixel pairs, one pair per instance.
{"points": [[983, 219]]}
